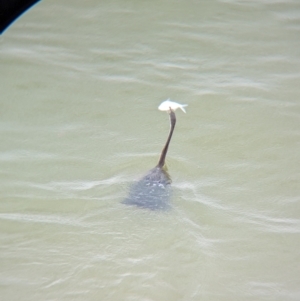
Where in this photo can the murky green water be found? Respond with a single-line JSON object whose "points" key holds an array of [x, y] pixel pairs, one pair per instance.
{"points": [[80, 85]]}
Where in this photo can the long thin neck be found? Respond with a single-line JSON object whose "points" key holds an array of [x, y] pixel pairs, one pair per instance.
{"points": [[162, 158]]}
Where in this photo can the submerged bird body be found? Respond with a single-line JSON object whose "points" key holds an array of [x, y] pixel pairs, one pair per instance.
{"points": [[153, 191]]}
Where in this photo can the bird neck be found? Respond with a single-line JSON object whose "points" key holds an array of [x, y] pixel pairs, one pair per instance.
{"points": [[162, 158]]}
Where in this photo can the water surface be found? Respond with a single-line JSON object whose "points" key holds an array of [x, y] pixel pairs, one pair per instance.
{"points": [[80, 86]]}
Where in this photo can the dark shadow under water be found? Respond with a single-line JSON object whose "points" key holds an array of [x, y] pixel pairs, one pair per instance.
{"points": [[152, 192]]}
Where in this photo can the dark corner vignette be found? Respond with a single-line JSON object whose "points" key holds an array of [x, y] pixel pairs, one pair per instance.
{"points": [[10, 10]]}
